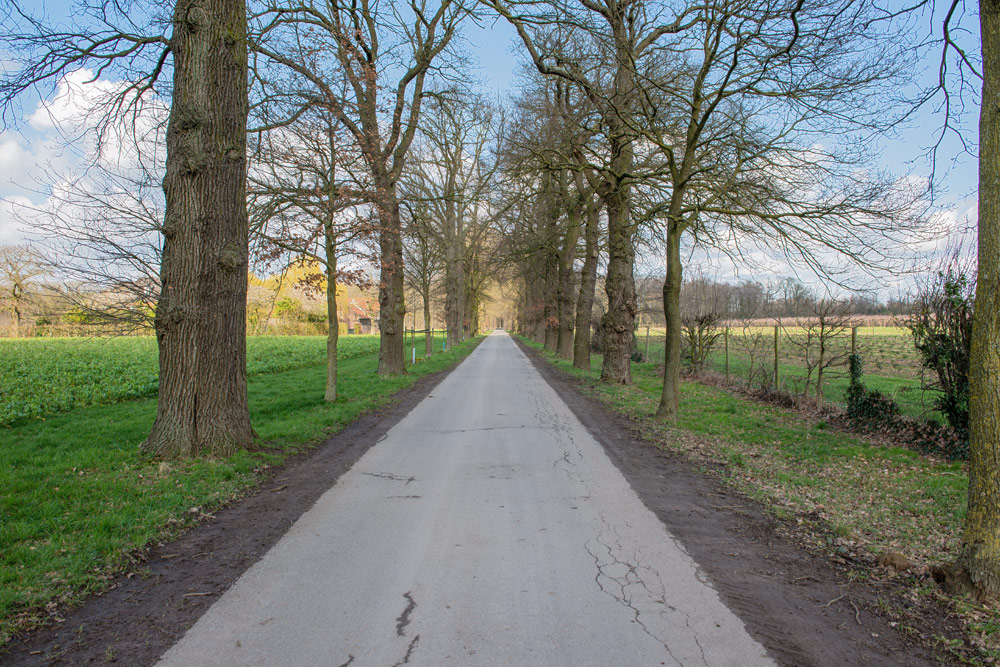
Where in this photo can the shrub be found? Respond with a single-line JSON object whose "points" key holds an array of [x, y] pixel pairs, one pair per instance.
{"points": [[941, 324], [867, 408], [871, 410]]}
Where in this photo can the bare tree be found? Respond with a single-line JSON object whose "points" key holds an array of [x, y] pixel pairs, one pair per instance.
{"points": [[734, 105], [588, 275], [423, 265], [298, 208], [815, 337], [450, 177], [600, 47], [20, 269], [703, 309], [369, 64], [100, 229]]}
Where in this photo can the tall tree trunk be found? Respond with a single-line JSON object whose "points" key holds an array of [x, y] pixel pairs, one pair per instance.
{"points": [[392, 310], [550, 334], [538, 301], [333, 330], [429, 335], [567, 278], [670, 397], [551, 258], [522, 326], [454, 275], [201, 314], [618, 321], [980, 552], [588, 281], [474, 314]]}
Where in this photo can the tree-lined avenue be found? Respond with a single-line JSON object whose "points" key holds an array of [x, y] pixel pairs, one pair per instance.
{"points": [[487, 528]]}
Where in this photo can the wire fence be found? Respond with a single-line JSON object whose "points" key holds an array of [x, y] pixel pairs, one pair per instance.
{"points": [[788, 358]]}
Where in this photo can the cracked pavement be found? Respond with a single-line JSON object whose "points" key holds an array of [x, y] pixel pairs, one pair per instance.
{"points": [[487, 528]]}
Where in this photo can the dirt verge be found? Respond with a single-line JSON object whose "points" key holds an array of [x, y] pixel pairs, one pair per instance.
{"points": [[147, 610], [803, 608]]}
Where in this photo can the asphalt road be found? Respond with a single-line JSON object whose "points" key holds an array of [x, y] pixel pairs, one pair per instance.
{"points": [[487, 528]]}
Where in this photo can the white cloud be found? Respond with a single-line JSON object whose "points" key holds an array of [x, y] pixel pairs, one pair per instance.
{"points": [[77, 94], [10, 228]]}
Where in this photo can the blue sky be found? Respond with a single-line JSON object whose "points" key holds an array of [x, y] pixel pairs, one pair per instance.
{"points": [[32, 155]]}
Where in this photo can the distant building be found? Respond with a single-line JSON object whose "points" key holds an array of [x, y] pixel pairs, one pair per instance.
{"points": [[360, 319]]}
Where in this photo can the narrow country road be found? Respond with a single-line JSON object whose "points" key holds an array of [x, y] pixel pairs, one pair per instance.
{"points": [[487, 528]]}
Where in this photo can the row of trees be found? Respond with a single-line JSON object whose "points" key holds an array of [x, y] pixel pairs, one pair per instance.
{"points": [[743, 128], [331, 95], [699, 125]]}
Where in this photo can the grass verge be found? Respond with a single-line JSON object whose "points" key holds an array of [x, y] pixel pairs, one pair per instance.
{"points": [[846, 496], [78, 500]]}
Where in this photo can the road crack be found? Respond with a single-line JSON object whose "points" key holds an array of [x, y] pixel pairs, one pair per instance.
{"points": [[404, 619], [409, 651], [394, 478]]}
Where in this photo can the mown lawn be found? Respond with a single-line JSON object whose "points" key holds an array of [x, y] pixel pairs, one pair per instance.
{"points": [[40, 376], [77, 497]]}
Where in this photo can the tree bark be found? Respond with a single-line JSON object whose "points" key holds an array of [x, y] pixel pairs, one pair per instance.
{"points": [[333, 330], [670, 398], [454, 269], [538, 289], [392, 309], [588, 282], [201, 314], [429, 335], [474, 315], [551, 207], [618, 321], [567, 278], [979, 557]]}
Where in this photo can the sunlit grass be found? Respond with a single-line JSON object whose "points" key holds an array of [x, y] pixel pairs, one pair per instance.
{"points": [[41, 376]]}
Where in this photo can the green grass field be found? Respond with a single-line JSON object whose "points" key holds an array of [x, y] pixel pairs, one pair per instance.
{"points": [[890, 361], [40, 376], [77, 497]]}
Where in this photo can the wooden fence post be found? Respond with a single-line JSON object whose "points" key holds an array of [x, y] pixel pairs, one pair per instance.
{"points": [[776, 383], [646, 357], [854, 341], [726, 338]]}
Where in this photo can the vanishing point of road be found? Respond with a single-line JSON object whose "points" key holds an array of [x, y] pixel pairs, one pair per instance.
{"points": [[488, 527]]}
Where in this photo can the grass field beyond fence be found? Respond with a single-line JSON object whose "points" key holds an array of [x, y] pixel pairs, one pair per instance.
{"points": [[890, 360]]}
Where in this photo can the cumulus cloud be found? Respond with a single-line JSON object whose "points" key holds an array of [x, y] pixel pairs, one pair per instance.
{"points": [[10, 231], [76, 96], [58, 141]]}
